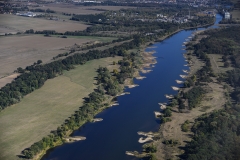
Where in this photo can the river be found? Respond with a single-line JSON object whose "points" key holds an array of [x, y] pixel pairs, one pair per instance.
{"points": [[117, 133]]}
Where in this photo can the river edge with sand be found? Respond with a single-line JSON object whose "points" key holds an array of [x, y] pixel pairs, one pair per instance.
{"points": [[145, 70], [148, 60], [166, 130]]}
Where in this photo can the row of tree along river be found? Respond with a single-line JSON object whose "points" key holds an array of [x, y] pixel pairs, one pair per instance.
{"points": [[118, 131]]}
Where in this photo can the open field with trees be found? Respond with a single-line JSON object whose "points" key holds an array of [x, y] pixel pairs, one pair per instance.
{"points": [[45, 109], [24, 50], [13, 23]]}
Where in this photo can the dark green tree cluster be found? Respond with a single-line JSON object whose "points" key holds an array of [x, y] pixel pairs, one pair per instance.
{"points": [[110, 83], [92, 18], [194, 96], [216, 136]]}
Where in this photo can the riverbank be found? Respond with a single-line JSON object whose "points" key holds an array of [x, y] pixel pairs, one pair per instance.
{"points": [[114, 102], [109, 101], [173, 137]]}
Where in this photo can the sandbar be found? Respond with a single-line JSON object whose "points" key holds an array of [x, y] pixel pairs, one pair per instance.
{"points": [[179, 82], [183, 76], [175, 88]]}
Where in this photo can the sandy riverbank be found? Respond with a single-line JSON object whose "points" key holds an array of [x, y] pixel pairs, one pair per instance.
{"points": [[148, 137], [172, 130], [175, 88], [74, 139], [139, 78], [179, 82], [163, 105], [97, 120], [157, 114]]}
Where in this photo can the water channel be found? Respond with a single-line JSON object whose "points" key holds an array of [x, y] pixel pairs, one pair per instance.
{"points": [[117, 133]]}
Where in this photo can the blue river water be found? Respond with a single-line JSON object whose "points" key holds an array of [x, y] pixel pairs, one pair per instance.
{"points": [[117, 133]]}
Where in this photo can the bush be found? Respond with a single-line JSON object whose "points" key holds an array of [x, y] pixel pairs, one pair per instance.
{"points": [[151, 149], [164, 119]]}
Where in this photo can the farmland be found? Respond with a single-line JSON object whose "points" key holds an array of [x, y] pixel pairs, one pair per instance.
{"points": [[75, 9], [236, 14], [12, 24], [46, 108], [23, 50]]}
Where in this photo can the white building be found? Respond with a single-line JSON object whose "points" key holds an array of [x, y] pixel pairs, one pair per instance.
{"points": [[227, 15]]}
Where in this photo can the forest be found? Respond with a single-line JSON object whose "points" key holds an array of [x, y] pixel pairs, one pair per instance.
{"points": [[217, 134]]}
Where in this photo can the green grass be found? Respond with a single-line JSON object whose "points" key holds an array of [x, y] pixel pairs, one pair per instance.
{"points": [[46, 108]]}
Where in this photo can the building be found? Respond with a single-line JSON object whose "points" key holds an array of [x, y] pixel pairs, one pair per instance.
{"points": [[227, 15]]}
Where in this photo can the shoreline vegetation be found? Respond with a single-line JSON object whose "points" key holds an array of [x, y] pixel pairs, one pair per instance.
{"points": [[148, 61], [152, 136], [178, 135]]}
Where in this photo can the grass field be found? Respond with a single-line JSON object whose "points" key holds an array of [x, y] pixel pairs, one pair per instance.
{"points": [[70, 8], [217, 63], [21, 51], [236, 14], [12, 23], [46, 108]]}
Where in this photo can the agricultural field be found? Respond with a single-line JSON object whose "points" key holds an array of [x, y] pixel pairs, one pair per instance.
{"points": [[236, 15], [12, 24], [77, 9], [8, 79], [24, 50], [46, 108]]}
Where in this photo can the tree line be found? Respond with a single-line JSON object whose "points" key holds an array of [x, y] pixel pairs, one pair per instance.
{"points": [[109, 84]]}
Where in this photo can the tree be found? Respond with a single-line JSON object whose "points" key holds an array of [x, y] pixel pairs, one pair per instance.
{"points": [[167, 113], [20, 70], [226, 64], [39, 61]]}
